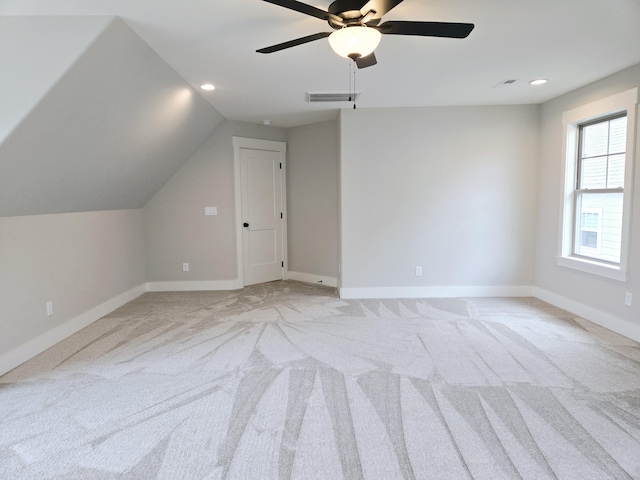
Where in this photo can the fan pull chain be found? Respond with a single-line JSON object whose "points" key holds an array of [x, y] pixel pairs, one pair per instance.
{"points": [[352, 91], [354, 84], [350, 96]]}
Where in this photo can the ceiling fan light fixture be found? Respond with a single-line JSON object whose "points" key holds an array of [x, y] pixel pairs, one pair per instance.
{"points": [[354, 42]]}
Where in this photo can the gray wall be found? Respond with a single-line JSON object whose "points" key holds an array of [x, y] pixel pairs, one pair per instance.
{"points": [[596, 292], [312, 198], [451, 189], [76, 260], [107, 125], [176, 229]]}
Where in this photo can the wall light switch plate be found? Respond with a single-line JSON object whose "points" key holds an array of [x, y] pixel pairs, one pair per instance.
{"points": [[49, 309], [628, 298], [185, 267], [210, 211]]}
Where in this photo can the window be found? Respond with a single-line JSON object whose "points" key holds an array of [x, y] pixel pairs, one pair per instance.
{"points": [[600, 189], [599, 141]]}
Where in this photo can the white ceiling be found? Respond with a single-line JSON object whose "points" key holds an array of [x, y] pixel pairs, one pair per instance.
{"points": [[571, 42]]}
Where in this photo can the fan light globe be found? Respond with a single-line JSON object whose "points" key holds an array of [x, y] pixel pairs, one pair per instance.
{"points": [[354, 42]]}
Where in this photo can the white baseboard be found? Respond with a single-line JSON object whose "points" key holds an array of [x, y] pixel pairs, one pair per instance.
{"points": [[437, 292], [604, 319], [30, 349], [311, 278], [192, 286]]}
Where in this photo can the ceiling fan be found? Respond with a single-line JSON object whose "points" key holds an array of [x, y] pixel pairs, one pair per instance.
{"points": [[358, 29]]}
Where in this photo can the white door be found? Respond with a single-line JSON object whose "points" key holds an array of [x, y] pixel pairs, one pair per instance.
{"points": [[262, 214]]}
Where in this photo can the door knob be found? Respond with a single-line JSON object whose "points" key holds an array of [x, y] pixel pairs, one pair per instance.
{"points": [[245, 224]]}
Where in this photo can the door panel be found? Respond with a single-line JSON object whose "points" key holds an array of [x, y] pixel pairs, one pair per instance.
{"points": [[262, 247], [261, 210]]}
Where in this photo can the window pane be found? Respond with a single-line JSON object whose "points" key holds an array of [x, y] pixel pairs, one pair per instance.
{"points": [[602, 160], [589, 239], [618, 135], [599, 229], [590, 220], [594, 173], [595, 140], [616, 171]]}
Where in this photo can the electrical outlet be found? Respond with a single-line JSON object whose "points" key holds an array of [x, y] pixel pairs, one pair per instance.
{"points": [[418, 271], [49, 309], [211, 211], [185, 267], [628, 298]]}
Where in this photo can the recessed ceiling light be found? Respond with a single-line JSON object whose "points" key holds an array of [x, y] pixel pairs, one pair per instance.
{"points": [[538, 81], [207, 86], [266, 122]]}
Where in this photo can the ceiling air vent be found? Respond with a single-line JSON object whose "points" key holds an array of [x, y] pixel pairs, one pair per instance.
{"points": [[505, 83], [332, 97]]}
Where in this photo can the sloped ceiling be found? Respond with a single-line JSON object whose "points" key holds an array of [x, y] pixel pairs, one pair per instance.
{"points": [[38, 50], [108, 134]]}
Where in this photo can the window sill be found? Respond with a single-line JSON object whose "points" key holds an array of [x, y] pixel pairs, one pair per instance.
{"points": [[593, 267]]}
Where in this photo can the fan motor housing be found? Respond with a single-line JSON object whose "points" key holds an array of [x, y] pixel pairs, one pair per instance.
{"points": [[349, 11]]}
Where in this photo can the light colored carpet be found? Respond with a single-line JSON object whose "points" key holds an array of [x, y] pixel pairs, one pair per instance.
{"points": [[285, 380]]}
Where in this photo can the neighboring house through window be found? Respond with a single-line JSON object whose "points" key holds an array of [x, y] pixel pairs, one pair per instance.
{"points": [[599, 146], [590, 236]]}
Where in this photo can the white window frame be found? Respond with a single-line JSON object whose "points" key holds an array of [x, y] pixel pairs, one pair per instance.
{"points": [[571, 120]]}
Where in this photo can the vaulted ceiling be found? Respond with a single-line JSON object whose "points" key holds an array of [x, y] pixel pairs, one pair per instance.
{"points": [[570, 42], [101, 105]]}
